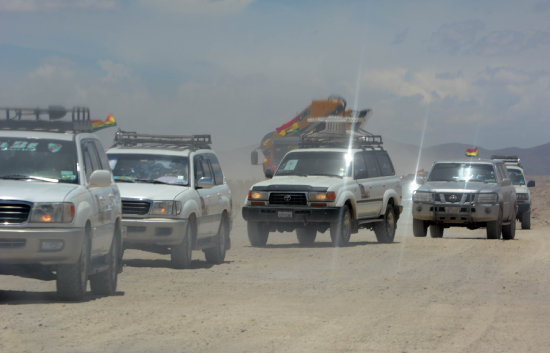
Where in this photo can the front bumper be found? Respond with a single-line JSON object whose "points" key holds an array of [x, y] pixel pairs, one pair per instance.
{"points": [[455, 213], [301, 215], [20, 246], [154, 231]]}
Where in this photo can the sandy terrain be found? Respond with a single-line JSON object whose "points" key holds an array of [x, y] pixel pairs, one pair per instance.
{"points": [[462, 293]]}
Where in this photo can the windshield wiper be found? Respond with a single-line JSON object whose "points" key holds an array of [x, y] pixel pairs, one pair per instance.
{"points": [[151, 181], [327, 174], [28, 177], [125, 180]]}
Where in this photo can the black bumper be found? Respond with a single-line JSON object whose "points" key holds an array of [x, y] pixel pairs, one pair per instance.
{"points": [[290, 214]]}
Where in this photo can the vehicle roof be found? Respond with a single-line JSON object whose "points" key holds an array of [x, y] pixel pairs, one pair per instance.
{"points": [[469, 161], [184, 152], [66, 136]]}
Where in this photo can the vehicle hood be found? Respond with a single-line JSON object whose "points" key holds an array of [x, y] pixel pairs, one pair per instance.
{"points": [[298, 182], [150, 191], [451, 186], [35, 191], [522, 189]]}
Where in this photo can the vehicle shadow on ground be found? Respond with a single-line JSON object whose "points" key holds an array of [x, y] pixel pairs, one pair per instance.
{"points": [[160, 263], [16, 297], [327, 244]]}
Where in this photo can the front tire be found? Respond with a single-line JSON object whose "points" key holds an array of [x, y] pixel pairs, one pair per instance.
{"points": [[216, 254], [105, 283], [436, 231], [181, 254], [420, 229], [526, 220], [257, 234], [494, 228], [385, 231], [72, 279], [306, 235], [340, 231]]}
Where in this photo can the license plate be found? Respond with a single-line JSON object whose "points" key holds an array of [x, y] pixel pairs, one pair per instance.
{"points": [[284, 214], [452, 209]]}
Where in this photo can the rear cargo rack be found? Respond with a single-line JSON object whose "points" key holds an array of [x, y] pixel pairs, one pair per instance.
{"points": [[510, 160], [133, 139], [356, 139], [46, 119]]}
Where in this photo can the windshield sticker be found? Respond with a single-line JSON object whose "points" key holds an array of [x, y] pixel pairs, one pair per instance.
{"points": [[67, 175], [291, 164], [54, 147], [19, 146], [112, 162]]}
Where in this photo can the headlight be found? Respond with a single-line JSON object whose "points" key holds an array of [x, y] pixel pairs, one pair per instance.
{"points": [[422, 196], [487, 198], [59, 212], [257, 195], [522, 196], [166, 208], [322, 196]]}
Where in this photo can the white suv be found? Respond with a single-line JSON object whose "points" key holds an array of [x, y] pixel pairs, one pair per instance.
{"points": [[174, 195], [60, 210], [324, 185]]}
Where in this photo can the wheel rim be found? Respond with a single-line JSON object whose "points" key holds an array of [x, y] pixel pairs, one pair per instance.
{"points": [[346, 226]]}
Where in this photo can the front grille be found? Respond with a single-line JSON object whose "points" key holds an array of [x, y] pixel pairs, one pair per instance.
{"points": [[14, 212], [287, 198], [12, 243], [453, 197], [135, 207]]}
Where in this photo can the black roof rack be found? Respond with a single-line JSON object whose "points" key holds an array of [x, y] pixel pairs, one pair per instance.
{"points": [[46, 119], [133, 139], [358, 139]]}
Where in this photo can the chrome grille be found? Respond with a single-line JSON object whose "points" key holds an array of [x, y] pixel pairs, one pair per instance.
{"points": [[14, 212], [135, 207], [287, 198], [453, 197], [12, 243]]}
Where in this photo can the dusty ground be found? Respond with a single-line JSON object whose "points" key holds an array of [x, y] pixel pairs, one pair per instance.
{"points": [[462, 293]]}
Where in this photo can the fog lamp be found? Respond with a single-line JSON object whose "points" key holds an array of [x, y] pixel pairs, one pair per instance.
{"points": [[51, 245]]}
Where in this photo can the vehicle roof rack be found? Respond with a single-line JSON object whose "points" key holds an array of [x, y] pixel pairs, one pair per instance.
{"points": [[46, 119], [510, 160], [133, 139], [357, 139]]}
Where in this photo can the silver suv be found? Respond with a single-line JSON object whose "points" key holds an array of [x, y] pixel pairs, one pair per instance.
{"points": [[174, 195], [60, 210], [470, 193]]}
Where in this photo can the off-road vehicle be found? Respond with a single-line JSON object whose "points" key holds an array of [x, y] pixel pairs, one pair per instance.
{"points": [[332, 182], [174, 195], [60, 210], [470, 193], [515, 170]]}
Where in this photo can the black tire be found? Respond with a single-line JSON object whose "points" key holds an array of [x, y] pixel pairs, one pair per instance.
{"points": [[494, 228], [526, 220], [436, 231], [105, 283], [340, 231], [420, 229], [72, 279], [216, 254], [306, 235], [385, 231], [257, 234], [509, 230], [181, 254]]}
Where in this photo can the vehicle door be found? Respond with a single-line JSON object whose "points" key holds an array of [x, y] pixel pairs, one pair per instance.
{"points": [[206, 222], [508, 191], [221, 191], [100, 201], [367, 176], [387, 179]]}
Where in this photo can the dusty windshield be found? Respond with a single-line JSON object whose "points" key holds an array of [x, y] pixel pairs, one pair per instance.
{"points": [[150, 168], [314, 163], [516, 176], [38, 159], [467, 172]]}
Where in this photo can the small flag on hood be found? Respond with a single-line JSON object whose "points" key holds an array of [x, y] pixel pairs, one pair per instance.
{"points": [[471, 152], [101, 124]]}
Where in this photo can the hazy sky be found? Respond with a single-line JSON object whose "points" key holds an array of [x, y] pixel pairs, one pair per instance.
{"points": [[479, 71]]}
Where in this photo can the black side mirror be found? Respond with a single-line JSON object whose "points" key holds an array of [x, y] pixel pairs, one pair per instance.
{"points": [[531, 184], [268, 173]]}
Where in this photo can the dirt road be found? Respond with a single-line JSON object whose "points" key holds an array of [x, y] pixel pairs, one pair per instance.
{"points": [[462, 293]]}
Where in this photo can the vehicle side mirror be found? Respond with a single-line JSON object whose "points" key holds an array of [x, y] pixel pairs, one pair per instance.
{"points": [[100, 179], [254, 157], [205, 183], [268, 173], [531, 184]]}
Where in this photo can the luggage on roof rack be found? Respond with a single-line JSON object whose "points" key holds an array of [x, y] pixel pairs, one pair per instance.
{"points": [[46, 119], [357, 139], [133, 139]]}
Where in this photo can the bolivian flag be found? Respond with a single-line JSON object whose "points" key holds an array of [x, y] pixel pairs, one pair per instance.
{"points": [[471, 152], [102, 124], [287, 127]]}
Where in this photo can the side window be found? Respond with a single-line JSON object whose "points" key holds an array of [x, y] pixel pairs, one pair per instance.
{"points": [[197, 165], [372, 164], [102, 156], [217, 169], [359, 167], [206, 169], [91, 158], [386, 166]]}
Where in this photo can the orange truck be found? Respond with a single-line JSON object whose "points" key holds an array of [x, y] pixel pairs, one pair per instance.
{"points": [[286, 137]]}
